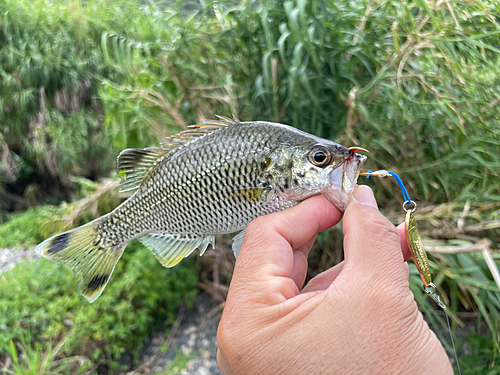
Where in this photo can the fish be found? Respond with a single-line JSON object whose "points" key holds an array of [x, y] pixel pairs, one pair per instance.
{"points": [[213, 178]]}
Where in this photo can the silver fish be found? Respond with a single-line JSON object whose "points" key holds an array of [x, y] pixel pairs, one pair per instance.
{"points": [[212, 179]]}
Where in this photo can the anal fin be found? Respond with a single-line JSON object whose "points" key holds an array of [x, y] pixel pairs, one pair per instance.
{"points": [[170, 250]]}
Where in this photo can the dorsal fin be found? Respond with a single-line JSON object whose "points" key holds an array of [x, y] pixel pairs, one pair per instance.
{"points": [[199, 130], [134, 163]]}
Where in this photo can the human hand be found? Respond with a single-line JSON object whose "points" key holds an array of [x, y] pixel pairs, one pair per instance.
{"points": [[358, 317]]}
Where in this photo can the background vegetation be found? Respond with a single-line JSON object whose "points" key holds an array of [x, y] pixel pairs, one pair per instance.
{"points": [[142, 297], [415, 82]]}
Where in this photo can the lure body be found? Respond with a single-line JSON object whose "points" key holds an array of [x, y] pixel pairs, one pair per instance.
{"points": [[213, 179]]}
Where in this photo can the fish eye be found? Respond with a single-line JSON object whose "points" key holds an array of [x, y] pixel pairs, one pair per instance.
{"points": [[320, 156]]}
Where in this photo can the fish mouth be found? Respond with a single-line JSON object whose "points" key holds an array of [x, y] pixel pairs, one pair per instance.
{"points": [[343, 180], [350, 172]]}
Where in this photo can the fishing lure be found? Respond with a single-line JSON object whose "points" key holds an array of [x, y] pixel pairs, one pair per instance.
{"points": [[417, 249], [413, 238]]}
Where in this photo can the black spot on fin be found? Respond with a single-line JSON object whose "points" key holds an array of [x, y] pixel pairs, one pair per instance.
{"points": [[59, 243], [91, 258], [97, 282]]}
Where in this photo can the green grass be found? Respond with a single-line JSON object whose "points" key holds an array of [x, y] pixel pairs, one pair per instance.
{"points": [[40, 305], [477, 355], [415, 82], [42, 359], [178, 364]]}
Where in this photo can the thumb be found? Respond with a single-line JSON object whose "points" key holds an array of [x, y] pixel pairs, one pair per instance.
{"points": [[272, 263], [371, 241], [270, 241]]}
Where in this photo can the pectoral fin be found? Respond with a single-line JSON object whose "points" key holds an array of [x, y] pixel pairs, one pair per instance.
{"points": [[237, 242]]}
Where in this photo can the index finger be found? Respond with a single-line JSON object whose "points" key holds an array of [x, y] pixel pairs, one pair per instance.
{"points": [[404, 245]]}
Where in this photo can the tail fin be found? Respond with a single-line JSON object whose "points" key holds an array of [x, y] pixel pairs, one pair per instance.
{"points": [[90, 258]]}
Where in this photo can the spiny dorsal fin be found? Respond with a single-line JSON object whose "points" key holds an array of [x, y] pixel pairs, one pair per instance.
{"points": [[134, 164], [223, 121], [199, 130]]}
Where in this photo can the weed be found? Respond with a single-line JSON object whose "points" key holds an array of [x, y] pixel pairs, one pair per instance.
{"points": [[40, 303]]}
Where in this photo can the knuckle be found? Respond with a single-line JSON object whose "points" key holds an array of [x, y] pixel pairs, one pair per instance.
{"points": [[225, 338], [380, 226], [256, 225], [222, 336], [229, 337]]}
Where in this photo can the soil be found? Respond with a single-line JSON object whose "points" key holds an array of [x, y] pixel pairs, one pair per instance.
{"points": [[9, 257], [196, 338]]}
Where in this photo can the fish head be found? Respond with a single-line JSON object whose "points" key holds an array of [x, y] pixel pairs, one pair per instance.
{"points": [[325, 167]]}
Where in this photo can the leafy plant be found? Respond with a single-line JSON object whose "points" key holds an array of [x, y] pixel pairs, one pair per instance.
{"points": [[40, 304], [179, 363], [41, 360], [480, 357], [80, 82], [50, 123]]}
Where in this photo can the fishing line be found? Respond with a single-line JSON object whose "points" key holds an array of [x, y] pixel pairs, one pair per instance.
{"points": [[452, 342], [417, 250], [383, 173], [431, 290]]}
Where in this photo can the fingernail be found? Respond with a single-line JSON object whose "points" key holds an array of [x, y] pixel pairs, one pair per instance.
{"points": [[364, 195]]}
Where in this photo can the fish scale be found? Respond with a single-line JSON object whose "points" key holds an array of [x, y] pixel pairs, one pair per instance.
{"points": [[212, 190], [212, 179]]}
